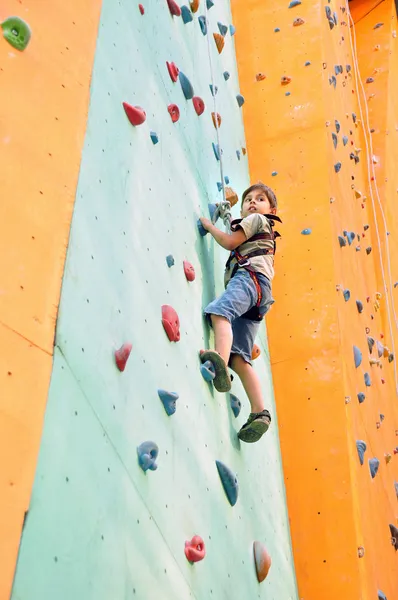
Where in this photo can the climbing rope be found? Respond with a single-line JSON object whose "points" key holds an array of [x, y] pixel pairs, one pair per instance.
{"points": [[224, 207], [371, 173]]}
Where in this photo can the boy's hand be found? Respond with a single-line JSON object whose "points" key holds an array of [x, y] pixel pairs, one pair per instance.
{"points": [[206, 223]]}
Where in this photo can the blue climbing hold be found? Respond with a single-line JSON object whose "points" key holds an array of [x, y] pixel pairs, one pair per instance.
{"points": [[274, 173], [348, 68], [276, 30], [357, 356], [186, 86], [154, 137], [367, 380], [361, 448], [219, 186], [337, 125], [347, 295], [328, 12], [354, 117], [345, 140], [232, 29], [342, 241], [335, 140], [335, 18], [207, 370], [186, 14], [226, 179], [226, 75], [209, 4], [333, 81], [374, 466], [350, 237], [371, 343], [359, 306], [170, 260], [361, 397], [287, 93], [213, 89], [169, 401], [331, 23], [307, 63], [147, 455], [216, 150], [294, 3], [381, 595], [203, 24], [382, 417], [380, 349], [229, 482], [378, 25], [240, 100], [337, 167], [238, 154], [306, 231], [212, 209], [223, 29], [236, 404], [370, 80]]}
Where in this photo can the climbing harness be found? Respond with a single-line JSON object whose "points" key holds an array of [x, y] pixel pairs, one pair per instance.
{"points": [[243, 261]]}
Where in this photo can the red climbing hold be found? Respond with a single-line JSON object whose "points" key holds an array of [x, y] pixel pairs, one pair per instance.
{"points": [[189, 271], [174, 112], [285, 80], [142, 9], [262, 560], [195, 549], [198, 105], [135, 114], [171, 323], [122, 356], [255, 352], [173, 71], [174, 9], [215, 116]]}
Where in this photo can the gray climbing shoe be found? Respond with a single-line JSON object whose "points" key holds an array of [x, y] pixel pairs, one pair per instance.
{"points": [[255, 427], [222, 380]]}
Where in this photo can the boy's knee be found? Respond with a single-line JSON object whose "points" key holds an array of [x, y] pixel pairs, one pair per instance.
{"points": [[237, 363]]}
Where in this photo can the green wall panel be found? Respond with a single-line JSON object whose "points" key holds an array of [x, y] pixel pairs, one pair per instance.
{"points": [[115, 531]]}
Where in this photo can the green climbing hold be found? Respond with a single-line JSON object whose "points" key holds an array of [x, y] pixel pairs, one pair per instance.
{"points": [[16, 32]]}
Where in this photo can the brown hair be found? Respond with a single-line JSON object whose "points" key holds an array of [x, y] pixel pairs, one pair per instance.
{"points": [[267, 191]]}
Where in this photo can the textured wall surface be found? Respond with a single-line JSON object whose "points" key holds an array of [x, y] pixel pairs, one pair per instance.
{"points": [[98, 527], [335, 506]]}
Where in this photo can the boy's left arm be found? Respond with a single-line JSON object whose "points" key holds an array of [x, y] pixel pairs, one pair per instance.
{"points": [[229, 241]]}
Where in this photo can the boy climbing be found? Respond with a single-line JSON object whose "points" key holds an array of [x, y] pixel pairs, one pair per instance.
{"points": [[236, 315]]}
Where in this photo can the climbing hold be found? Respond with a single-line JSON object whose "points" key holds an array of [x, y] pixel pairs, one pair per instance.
{"points": [[212, 211], [168, 400], [306, 231], [208, 371], [231, 196], [186, 86], [387, 457], [334, 138], [394, 536], [378, 25], [189, 271], [198, 105], [331, 23], [240, 100], [171, 323], [350, 237], [222, 28], [354, 119], [122, 356], [361, 397], [337, 125], [369, 80], [381, 595], [213, 89], [216, 119], [285, 80], [262, 561], [255, 352], [218, 38], [380, 349], [209, 4], [373, 466], [216, 150], [371, 343], [328, 12], [236, 404], [367, 379], [195, 549], [17, 32], [154, 137], [298, 21], [219, 186], [170, 260], [226, 75], [229, 481], [357, 356], [147, 455], [244, 151], [294, 3], [368, 250], [174, 9], [186, 14], [141, 9], [361, 552], [342, 241], [359, 306], [287, 93], [173, 71], [232, 30], [274, 173], [135, 114], [347, 295], [174, 112], [260, 76], [361, 448], [345, 140], [203, 24], [194, 4], [337, 167], [276, 30], [238, 154], [307, 63], [333, 81]]}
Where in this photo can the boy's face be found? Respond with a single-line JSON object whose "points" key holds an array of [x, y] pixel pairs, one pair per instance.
{"points": [[256, 201]]}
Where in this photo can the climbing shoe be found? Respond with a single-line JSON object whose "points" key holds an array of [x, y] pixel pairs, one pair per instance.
{"points": [[222, 380], [256, 425]]}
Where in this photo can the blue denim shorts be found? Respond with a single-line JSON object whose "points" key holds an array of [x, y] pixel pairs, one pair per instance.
{"points": [[239, 297]]}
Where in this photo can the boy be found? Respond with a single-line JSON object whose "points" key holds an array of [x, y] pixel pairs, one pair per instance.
{"points": [[236, 315]]}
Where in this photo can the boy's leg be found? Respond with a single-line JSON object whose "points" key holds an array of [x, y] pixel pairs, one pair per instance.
{"points": [[222, 336]]}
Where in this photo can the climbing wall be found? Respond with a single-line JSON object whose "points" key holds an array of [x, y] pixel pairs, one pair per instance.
{"points": [[333, 329], [99, 525]]}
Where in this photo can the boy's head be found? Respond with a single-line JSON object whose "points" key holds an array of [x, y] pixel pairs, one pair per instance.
{"points": [[258, 198]]}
